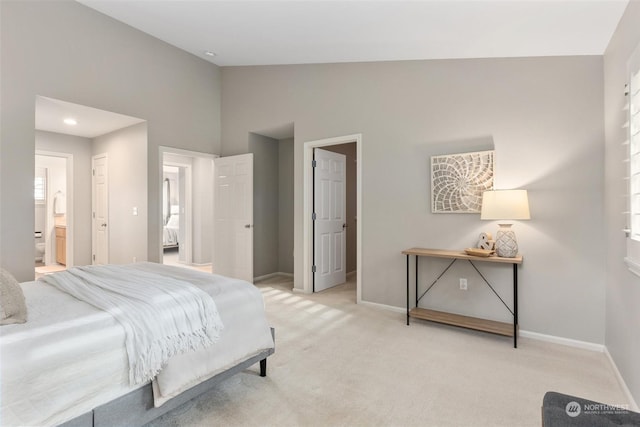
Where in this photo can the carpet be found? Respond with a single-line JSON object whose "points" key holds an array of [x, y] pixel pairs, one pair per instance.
{"points": [[342, 364]]}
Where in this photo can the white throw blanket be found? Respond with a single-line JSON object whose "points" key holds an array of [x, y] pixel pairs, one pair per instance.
{"points": [[162, 316]]}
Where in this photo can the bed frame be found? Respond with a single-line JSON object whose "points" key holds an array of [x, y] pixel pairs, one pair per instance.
{"points": [[136, 408]]}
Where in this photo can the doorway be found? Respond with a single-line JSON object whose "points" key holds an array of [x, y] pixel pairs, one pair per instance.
{"points": [[308, 190], [186, 205], [79, 132], [53, 211]]}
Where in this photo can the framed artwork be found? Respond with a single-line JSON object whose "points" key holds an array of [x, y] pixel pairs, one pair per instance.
{"points": [[458, 181]]}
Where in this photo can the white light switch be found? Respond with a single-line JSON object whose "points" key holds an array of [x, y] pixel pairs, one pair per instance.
{"points": [[135, 211]]}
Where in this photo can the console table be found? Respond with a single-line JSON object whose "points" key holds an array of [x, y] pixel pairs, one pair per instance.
{"points": [[491, 326]]}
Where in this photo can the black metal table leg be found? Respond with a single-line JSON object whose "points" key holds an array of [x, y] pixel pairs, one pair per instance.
{"points": [[408, 289], [417, 300], [515, 306]]}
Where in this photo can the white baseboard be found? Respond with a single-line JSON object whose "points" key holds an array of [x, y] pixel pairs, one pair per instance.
{"points": [[383, 306], [632, 403], [563, 341], [270, 275]]}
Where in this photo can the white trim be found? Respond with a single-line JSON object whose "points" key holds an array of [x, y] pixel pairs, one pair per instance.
{"points": [[563, 341], [307, 249], [379, 306], [632, 403], [270, 275]]}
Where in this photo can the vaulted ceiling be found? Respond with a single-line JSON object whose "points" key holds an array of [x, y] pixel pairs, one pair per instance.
{"points": [[302, 32]]}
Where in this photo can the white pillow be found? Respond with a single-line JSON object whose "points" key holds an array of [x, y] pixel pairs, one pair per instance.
{"points": [[13, 308]]}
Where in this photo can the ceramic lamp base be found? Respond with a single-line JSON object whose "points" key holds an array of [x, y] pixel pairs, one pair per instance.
{"points": [[506, 243]]}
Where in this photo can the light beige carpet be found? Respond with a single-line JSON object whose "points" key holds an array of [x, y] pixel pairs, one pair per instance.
{"points": [[342, 364]]}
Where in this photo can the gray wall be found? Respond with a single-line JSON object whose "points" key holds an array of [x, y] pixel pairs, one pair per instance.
{"points": [[285, 206], [623, 287], [126, 150], [64, 50], [80, 148], [543, 116], [265, 204]]}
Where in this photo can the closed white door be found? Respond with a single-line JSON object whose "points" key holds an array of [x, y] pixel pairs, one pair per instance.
{"points": [[100, 207], [329, 200], [233, 217]]}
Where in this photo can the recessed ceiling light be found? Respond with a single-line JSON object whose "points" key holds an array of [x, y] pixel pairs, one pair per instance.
{"points": [[209, 53], [71, 122]]}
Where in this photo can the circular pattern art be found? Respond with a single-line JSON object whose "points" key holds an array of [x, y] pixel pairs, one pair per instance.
{"points": [[458, 181]]}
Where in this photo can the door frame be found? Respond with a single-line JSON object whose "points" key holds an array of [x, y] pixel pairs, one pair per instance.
{"points": [[69, 195], [307, 223], [162, 150]]}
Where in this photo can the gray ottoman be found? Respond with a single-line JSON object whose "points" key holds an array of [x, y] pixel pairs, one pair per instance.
{"points": [[560, 410]]}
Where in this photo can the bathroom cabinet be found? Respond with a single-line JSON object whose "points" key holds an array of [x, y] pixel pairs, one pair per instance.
{"points": [[61, 244]]}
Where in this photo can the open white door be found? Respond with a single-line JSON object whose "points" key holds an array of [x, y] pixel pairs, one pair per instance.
{"points": [[330, 222], [100, 207], [233, 217]]}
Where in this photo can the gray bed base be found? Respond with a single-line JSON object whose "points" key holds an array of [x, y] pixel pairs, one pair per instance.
{"points": [[136, 408]]}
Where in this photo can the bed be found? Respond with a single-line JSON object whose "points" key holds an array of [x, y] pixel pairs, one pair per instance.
{"points": [[170, 232], [67, 365]]}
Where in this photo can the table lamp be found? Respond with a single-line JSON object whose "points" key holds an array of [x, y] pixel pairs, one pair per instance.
{"points": [[505, 205]]}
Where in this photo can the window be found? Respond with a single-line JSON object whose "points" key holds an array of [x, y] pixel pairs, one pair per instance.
{"points": [[633, 141], [634, 152], [40, 186]]}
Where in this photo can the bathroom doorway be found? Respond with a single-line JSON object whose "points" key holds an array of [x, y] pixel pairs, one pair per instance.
{"points": [[52, 246]]}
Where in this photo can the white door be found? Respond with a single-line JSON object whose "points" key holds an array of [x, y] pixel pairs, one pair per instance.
{"points": [[329, 197], [233, 217], [100, 208]]}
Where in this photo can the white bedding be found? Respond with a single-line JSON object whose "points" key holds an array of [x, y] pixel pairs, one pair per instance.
{"points": [[170, 231], [70, 357], [169, 236]]}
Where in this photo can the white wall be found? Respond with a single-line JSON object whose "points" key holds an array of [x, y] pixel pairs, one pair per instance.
{"points": [[126, 151], [66, 51], [543, 116], [623, 288]]}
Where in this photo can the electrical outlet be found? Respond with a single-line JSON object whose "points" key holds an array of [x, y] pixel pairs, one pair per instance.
{"points": [[463, 284]]}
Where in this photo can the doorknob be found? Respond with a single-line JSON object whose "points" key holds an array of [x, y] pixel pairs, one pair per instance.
{"points": [[248, 226], [344, 226], [104, 225]]}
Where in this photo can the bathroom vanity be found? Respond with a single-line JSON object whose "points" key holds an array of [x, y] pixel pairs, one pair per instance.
{"points": [[61, 244]]}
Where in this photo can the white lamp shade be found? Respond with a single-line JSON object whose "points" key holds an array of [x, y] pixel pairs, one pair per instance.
{"points": [[505, 204]]}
